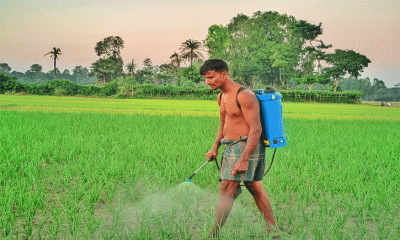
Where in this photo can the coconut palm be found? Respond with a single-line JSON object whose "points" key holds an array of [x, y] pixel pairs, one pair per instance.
{"points": [[54, 54], [191, 51], [176, 61], [131, 67]]}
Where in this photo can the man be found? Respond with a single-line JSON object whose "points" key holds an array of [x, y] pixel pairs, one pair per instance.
{"points": [[244, 156]]}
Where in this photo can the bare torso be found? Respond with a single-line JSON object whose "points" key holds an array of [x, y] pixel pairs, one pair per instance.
{"points": [[235, 124]]}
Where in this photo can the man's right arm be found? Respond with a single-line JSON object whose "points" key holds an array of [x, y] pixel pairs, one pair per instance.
{"points": [[212, 154]]}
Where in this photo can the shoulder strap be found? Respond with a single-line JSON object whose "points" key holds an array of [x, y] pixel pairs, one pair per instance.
{"points": [[240, 89], [237, 94]]}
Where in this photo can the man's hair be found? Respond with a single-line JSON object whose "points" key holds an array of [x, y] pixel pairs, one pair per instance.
{"points": [[217, 65]]}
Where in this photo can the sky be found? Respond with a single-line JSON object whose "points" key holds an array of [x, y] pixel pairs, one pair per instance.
{"points": [[155, 29]]}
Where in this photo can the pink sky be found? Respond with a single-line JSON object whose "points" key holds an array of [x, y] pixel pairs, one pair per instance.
{"points": [[155, 29]]}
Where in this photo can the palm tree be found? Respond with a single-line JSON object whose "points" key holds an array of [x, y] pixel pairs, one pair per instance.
{"points": [[131, 67], [54, 54], [191, 50], [176, 61]]}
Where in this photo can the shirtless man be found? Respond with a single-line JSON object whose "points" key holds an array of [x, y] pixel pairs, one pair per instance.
{"points": [[244, 156]]}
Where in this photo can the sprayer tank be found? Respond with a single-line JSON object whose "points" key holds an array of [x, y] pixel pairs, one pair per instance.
{"points": [[271, 118]]}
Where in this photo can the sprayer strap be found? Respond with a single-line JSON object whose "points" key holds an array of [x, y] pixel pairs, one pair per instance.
{"points": [[237, 94]]}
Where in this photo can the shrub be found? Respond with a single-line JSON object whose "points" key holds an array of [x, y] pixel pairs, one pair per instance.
{"points": [[10, 84], [60, 92], [68, 87], [108, 89]]}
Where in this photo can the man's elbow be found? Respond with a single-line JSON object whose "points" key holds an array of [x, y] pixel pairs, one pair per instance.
{"points": [[256, 131]]}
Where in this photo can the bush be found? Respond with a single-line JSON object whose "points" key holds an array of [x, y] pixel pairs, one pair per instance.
{"points": [[120, 96], [37, 89], [66, 87], [108, 89], [60, 92], [10, 84]]}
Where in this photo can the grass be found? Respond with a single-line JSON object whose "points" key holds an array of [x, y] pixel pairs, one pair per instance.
{"points": [[72, 174]]}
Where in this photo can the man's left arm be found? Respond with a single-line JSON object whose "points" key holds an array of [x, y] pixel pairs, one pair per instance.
{"points": [[251, 113]]}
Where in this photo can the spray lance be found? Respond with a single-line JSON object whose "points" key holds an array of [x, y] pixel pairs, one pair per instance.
{"points": [[189, 179]]}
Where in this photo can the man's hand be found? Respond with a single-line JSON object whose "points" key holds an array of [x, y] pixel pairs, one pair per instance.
{"points": [[240, 167], [212, 154]]}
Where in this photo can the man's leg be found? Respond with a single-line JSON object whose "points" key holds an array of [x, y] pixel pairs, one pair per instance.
{"points": [[225, 202], [262, 201]]}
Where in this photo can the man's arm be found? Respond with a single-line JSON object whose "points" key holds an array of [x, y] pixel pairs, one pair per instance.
{"points": [[212, 154], [251, 113]]}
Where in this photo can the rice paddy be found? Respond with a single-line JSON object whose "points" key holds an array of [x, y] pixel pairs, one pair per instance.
{"points": [[89, 168]]}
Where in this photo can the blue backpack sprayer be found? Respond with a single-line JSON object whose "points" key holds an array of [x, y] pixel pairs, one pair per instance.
{"points": [[273, 134]]}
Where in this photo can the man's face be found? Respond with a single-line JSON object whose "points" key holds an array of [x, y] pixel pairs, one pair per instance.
{"points": [[215, 79]]}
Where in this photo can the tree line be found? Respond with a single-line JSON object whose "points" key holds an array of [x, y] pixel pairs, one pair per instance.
{"points": [[266, 48]]}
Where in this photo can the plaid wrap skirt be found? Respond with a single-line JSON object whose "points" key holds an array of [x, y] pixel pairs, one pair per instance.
{"points": [[231, 154]]}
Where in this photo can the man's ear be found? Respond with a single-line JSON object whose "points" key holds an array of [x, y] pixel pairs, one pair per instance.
{"points": [[224, 75]]}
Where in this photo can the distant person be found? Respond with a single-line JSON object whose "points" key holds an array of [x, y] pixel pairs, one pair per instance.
{"points": [[388, 104], [383, 104], [244, 156]]}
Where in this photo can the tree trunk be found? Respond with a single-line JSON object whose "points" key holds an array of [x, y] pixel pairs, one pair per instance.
{"points": [[55, 68], [319, 66], [336, 85]]}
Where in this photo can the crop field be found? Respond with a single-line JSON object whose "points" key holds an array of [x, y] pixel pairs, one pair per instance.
{"points": [[90, 168]]}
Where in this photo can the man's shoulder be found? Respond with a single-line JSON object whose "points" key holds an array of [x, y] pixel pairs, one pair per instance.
{"points": [[247, 97]]}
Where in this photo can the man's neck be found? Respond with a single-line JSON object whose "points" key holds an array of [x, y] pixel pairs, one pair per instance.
{"points": [[228, 86]]}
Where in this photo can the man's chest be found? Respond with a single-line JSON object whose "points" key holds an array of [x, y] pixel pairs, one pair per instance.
{"points": [[229, 107]]}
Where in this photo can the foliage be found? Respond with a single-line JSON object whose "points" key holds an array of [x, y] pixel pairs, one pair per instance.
{"points": [[192, 73], [217, 41], [110, 47], [176, 61], [5, 68], [9, 84], [310, 79], [54, 54], [265, 47], [126, 84], [106, 69], [110, 88], [131, 67], [345, 61], [111, 65], [191, 51], [321, 96]]}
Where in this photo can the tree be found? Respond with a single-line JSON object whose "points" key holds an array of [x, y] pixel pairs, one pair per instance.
{"points": [[80, 75], [345, 61], [110, 47], [191, 51], [310, 79], [176, 61], [54, 54], [131, 67], [4, 68], [104, 69], [320, 54], [36, 68], [127, 83], [217, 41], [265, 47], [148, 65]]}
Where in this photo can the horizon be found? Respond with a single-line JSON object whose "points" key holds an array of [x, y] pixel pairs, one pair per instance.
{"points": [[156, 29]]}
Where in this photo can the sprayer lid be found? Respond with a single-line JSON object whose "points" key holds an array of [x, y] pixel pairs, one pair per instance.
{"points": [[269, 89], [269, 96]]}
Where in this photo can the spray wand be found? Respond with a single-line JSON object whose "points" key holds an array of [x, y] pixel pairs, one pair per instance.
{"points": [[189, 179]]}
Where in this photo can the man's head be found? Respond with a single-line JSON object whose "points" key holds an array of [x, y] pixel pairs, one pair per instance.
{"points": [[215, 72], [217, 65]]}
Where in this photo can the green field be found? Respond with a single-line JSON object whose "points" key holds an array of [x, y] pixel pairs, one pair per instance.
{"points": [[90, 168]]}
